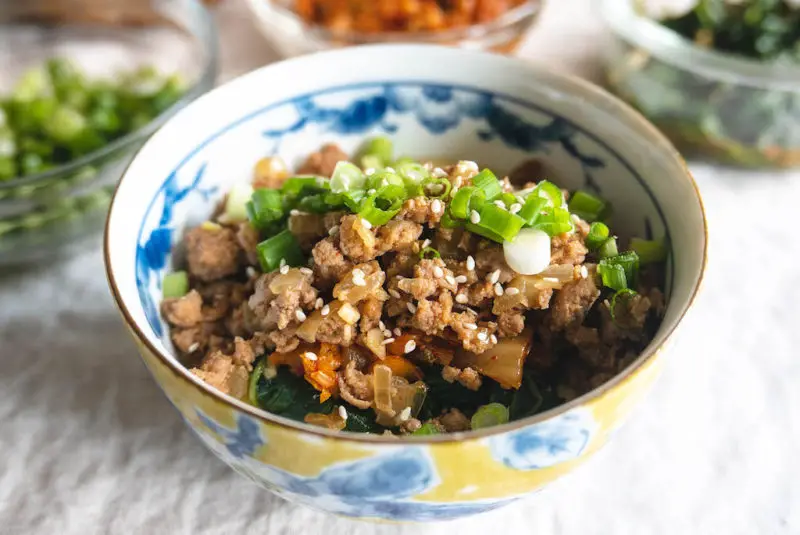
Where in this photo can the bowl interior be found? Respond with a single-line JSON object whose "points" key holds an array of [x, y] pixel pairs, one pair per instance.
{"points": [[430, 101]]}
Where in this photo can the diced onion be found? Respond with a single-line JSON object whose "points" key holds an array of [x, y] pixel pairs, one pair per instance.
{"points": [[382, 386], [529, 252], [236, 203]]}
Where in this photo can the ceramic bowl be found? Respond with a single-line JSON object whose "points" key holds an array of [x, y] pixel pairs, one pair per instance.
{"points": [[441, 102]]}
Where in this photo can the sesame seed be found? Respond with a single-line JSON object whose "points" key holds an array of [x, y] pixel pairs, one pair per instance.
{"points": [[550, 279], [470, 263], [318, 303], [394, 293], [387, 333], [411, 345], [436, 206], [359, 281], [300, 315], [325, 310], [493, 339], [514, 208], [461, 298], [519, 199], [306, 271], [512, 291], [405, 414], [471, 326], [475, 217], [251, 272], [387, 341], [284, 270], [390, 170], [310, 356], [366, 224], [369, 171], [438, 272], [334, 230], [426, 243], [194, 347], [461, 279], [294, 211], [482, 336], [398, 332], [495, 276], [411, 307], [381, 325], [358, 272], [500, 204], [584, 272], [498, 289], [450, 279], [342, 412], [438, 172]]}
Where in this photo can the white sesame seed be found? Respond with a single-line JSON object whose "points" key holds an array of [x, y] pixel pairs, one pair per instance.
{"points": [[325, 310], [584, 272], [251, 272], [469, 165], [310, 356], [359, 281], [194, 347], [369, 171], [500, 204], [436, 206], [498, 289], [512, 291], [519, 199], [493, 339], [294, 211], [475, 217], [398, 332], [438, 172], [284, 270], [428, 166], [318, 303], [358, 272], [470, 263], [471, 326], [300, 315], [387, 333], [438, 272], [394, 293], [390, 170], [342, 412], [381, 325], [366, 224], [426, 243], [450, 279], [334, 230], [461, 298], [494, 276], [550, 279], [405, 414], [411, 204], [411, 307], [306, 271], [387, 341], [482, 336], [282, 262], [514, 208], [461, 279], [411, 345]]}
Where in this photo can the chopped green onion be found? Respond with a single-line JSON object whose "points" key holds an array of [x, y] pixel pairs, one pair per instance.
{"points": [[252, 384], [370, 161], [426, 251], [649, 251], [426, 429], [613, 306], [608, 248], [598, 234], [554, 222], [380, 149], [532, 209], [488, 184], [613, 276], [383, 205], [482, 231], [507, 198], [175, 284], [501, 222], [459, 206], [402, 160], [447, 221], [282, 246], [299, 184], [317, 204], [265, 207], [550, 192], [65, 124], [354, 199], [412, 171], [436, 188], [629, 262], [587, 206], [383, 178], [489, 415], [347, 177]]}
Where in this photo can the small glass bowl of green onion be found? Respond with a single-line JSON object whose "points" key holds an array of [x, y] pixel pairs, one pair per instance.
{"points": [[81, 89]]}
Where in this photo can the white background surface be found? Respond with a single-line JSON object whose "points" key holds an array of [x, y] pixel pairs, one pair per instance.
{"points": [[88, 444]]}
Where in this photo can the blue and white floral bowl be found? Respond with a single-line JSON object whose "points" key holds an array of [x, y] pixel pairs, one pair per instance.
{"points": [[434, 102]]}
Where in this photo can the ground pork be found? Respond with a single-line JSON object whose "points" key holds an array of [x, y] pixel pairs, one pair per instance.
{"points": [[491, 259], [400, 264], [220, 297], [468, 378], [285, 340], [323, 162], [422, 210], [277, 311], [480, 294], [572, 302], [308, 229], [223, 373], [333, 329], [473, 336], [355, 387], [590, 347], [212, 252], [183, 311], [510, 324], [430, 277], [247, 237], [356, 241], [567, 248], [454, 420], [330, 264], [241, 321], [397, 236], [371, 310], [432, 317]]}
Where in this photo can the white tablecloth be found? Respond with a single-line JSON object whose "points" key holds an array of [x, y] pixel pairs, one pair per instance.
{"points": [[88, 444]]}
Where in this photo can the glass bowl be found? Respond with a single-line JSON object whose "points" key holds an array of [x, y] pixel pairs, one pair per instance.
{"points": [[291, 36], [55, 211], [714, 105]]}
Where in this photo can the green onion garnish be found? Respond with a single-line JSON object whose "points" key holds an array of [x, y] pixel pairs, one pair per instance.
{"points": [[383, 178], [300, 184], [370, 161], [236, 202], [482, 231], [383, 205], [613, 276], [436, 188], [554, 222], [429, 252], [608, 248], [447, 221], [531, 209], [587, 206], [426, 429], [412, 171], [265, 207], [252, 384], [378, 150], [649, 251], [486, 182], [489, 416], [598, 234], [459, 206], [499, 221], [613, 306], [346, 177], [551, 192], [629, 262], [282, 246], [175, 284]]}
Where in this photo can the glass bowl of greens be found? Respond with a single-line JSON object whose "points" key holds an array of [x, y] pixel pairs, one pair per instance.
{"points": [[82, 86], [721, 80]]}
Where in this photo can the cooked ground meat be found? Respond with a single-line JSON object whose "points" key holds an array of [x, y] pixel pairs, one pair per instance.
{"points": [[572, 302], [357, 241], [247, 238], [323, 162], [398, 236], [307, 228], [453, 421], [185, 311], [279, 310], [329, 263], [212, 253], [567, 249], [423, 211]]}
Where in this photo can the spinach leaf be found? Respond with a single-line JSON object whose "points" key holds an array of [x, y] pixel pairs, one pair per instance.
{"points": [[289, 395], [362, 421], [527, 400]]}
